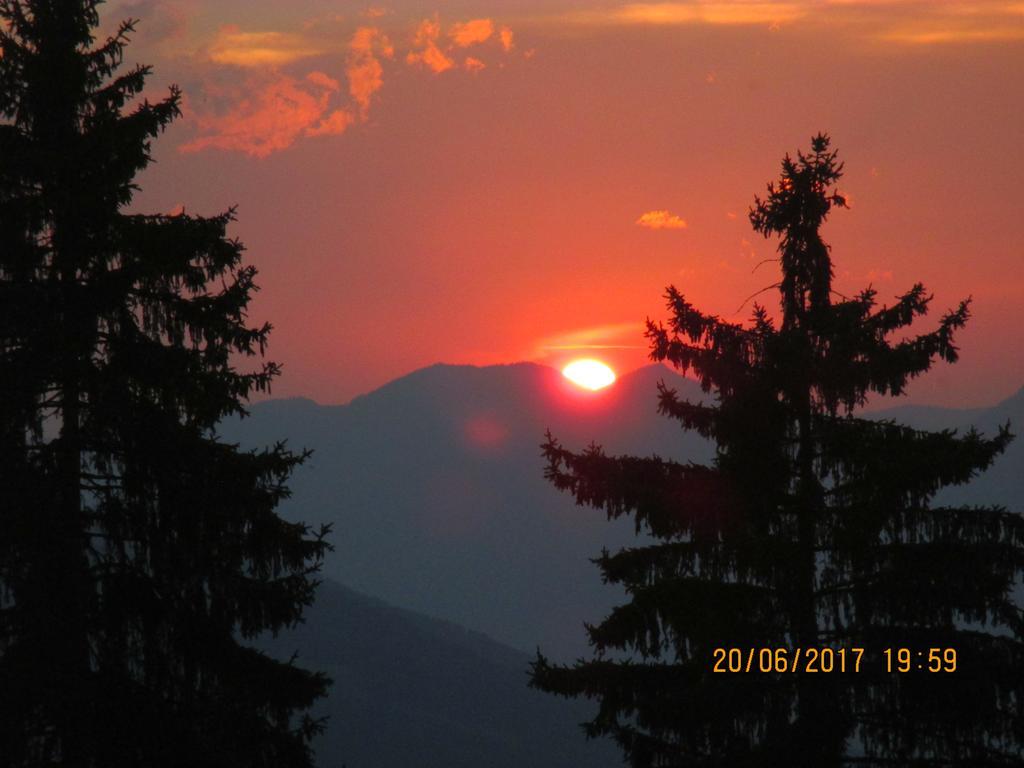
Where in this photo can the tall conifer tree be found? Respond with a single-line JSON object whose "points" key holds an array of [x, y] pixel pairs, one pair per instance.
{"points": [[812, 529], [137, 550]]}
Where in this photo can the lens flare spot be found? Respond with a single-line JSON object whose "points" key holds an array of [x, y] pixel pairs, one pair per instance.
{"points": [[485, 432], [589, 374]]}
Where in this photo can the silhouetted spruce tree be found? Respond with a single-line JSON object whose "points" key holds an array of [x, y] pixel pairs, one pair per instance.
{"points": [[137, 550], [811, 529]]}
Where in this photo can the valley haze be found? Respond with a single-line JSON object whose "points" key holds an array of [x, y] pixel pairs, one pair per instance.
{"points": [[434, 485]]}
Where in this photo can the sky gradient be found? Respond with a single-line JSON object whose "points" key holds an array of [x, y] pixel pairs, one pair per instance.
{"points": [[489, 182]]}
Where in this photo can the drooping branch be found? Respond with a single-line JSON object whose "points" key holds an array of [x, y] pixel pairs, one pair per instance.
{"points": [[665, 498]]}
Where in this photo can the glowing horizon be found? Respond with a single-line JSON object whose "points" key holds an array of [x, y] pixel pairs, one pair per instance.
{"points": [[503, 181]]}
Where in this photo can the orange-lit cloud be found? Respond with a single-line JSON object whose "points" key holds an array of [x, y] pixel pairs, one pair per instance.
{"points": [[425, 49], [945, 22], [257, 49], [471, 32], [364, 71], [898, 21], [332, 125], [275, 106], [323, 81], [615, 336], [660, 220], [952, 34], [273, 113], [672, 13]]}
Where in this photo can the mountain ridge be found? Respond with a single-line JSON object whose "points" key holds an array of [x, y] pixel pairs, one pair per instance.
{"points": [[435, 488], [459, 558], [414, 690]]}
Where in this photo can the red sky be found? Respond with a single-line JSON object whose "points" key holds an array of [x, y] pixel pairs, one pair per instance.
{"points": [[488, 182]]}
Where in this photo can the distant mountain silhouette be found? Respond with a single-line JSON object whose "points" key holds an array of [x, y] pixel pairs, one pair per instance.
{"points": [[435, 485], [415, 691], [436, 489]]}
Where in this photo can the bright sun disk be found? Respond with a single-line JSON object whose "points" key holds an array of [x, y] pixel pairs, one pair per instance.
{"points": [[589, 374]]}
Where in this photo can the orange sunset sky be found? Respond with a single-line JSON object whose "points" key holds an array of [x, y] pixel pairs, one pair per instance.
{"points": [[489, 182]]}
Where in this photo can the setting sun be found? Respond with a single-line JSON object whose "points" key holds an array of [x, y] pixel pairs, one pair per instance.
{"points": [[589, 374]]}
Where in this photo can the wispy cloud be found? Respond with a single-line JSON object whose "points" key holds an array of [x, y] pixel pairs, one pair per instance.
{"points": [[267, 105], [364, 70], [507, 39], [627, 335], [274, 112], [892, 21], [467, 33], [660, 220], [334, 124], [676, 13], [939, 34], [879, 275], [257, 49], [437, 50], [425, 49]]}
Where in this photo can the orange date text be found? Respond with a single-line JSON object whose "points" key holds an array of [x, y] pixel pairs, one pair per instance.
{"points": [[806, 660]]}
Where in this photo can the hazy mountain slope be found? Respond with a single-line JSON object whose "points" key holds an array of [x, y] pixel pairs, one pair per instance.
{"points": [[435, 486], [412, 691]]}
